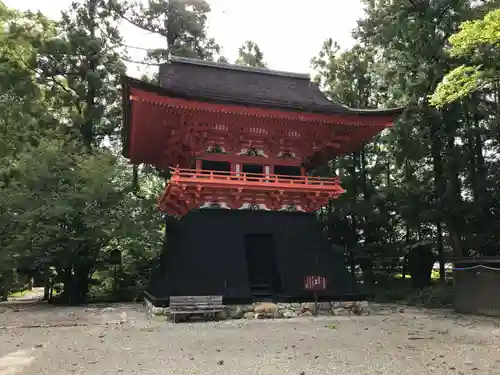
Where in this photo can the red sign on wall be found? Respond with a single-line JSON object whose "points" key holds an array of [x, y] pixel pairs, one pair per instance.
{"points": [[315, 283]]}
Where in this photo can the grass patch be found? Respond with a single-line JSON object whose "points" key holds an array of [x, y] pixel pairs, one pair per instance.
{"points": [[437, 295], [20, 293]]}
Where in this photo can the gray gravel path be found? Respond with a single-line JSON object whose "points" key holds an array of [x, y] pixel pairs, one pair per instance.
{"points": [[37, 340]]}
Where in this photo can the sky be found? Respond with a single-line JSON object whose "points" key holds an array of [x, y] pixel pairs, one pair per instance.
{"points": [[289, 32]]}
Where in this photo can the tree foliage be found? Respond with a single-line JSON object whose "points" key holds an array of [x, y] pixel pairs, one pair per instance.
{"points": [[250, 54], [182, 24], [428, 181], [65, 197], [479, 42], [423, 190]]}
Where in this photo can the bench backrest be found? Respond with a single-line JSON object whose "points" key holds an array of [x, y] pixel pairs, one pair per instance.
{"points": [[195, 302]]}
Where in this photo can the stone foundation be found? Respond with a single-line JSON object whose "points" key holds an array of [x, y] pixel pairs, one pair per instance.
{"points": [[268, 310]]}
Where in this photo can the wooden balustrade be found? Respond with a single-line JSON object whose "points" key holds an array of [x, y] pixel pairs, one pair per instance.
{"points": [[225, 177]]}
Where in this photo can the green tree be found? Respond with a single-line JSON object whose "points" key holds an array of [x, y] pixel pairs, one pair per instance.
{"points": [[183, 24], [66, 200], [26, 119], [250, 54], [477, 41], [433, 183], [363, 220], [411, 38]]}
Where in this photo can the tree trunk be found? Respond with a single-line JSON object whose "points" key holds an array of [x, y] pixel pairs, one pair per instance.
{"points": [[481, 169], [87, 128], [46, 283], [453, 198], [440, 247], [46, 290], [439, 181], [7, 278], [472, 166]]}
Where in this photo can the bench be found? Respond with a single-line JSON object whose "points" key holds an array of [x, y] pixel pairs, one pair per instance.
{"points": [[195, 305]]}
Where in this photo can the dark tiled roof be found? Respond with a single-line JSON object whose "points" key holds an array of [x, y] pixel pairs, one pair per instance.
{"points": [[247, 86]]}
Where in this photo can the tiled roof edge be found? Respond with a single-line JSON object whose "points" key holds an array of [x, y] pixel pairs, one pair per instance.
{"points": [[235, 67]]}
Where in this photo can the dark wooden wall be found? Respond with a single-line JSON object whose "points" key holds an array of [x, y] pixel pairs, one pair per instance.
{"points": [[205, 255]]}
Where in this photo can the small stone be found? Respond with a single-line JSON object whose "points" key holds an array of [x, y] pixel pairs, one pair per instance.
{"points": [[357, 310], [222, 315], [266, 308], [249, 315], [348, 304], [288, 314], [39, 346], [306, 313], [260, 316], [158, 311], [247, 308], [284, 306], [401, 310], [236, 312], [309, 306], [220, 362]]}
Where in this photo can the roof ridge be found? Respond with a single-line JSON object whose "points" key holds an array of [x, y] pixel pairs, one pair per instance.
{"points": [[236, 67]]}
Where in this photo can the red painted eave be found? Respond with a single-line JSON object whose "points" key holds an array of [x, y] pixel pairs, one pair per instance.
{"points": [[143, 133]]}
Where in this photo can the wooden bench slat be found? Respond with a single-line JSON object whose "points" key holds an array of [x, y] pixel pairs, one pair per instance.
{"points": [[195, 305], [196, 311], [195, 297], [196, 301]]}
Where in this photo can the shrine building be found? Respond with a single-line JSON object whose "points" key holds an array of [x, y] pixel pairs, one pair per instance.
{"points": [[239, 144]]}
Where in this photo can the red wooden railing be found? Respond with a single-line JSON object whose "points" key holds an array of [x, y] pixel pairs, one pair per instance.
{"points": [[223, 177]]}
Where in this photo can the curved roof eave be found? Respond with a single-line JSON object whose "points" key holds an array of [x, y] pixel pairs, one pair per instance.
{"points": [[321, 109]]}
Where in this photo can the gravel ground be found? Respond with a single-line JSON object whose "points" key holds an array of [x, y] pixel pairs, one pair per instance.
{"points": [[40, 339]]}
